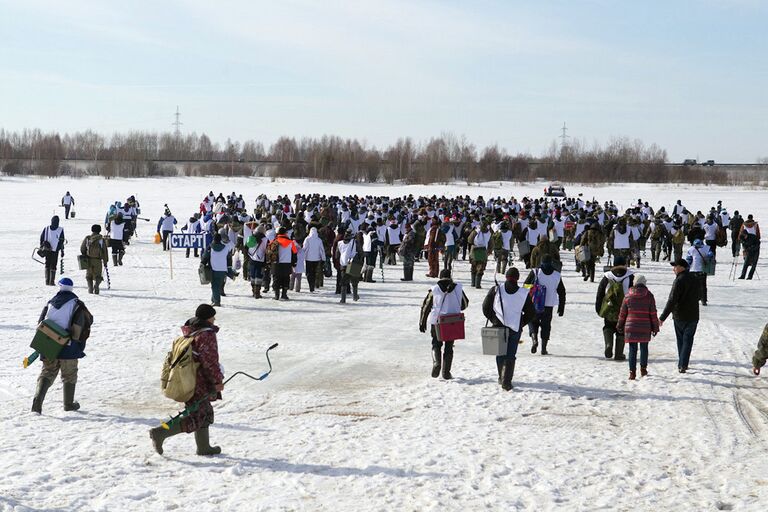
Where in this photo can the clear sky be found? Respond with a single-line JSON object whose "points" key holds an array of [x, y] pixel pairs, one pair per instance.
{"points": [[688, 75]]}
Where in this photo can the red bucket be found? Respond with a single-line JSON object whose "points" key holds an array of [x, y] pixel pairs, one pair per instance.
{"points": [[450, 327]]}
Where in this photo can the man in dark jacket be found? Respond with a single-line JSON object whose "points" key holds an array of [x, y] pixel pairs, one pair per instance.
{"points": [[735, 227], [751, 244], [683, 305], [555, 294], [51, 242], [69, 313]]}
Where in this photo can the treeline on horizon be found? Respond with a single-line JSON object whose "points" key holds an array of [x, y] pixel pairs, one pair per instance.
{"points": [[330, 158]]}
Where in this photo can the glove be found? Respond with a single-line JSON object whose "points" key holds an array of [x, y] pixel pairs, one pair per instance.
{"points": [[756, 371], [560, 312], [422, 328]]}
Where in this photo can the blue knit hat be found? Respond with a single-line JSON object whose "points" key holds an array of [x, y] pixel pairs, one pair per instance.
{"points": [[66, 284]]}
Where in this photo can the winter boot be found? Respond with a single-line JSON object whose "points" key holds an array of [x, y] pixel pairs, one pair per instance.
{"points": [[90, 285], [297, 287], [120, 258], [507, 372], [632, 375], [618, 353], [51, 277], [544, 347], [535, 342], [478, 278], [292, 282], [437, 358], [284, 295], [69, 397], [96, 284], [608, 339], [42, 389], [499, 368], [474, 279], [643, 371], [159, 434], [203, 443], [407, 274], [114, 260], [355, 296], [447, 360], [277, 294]]}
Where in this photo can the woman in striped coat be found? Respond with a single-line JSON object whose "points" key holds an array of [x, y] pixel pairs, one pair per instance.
{"points": [[639, 323]]}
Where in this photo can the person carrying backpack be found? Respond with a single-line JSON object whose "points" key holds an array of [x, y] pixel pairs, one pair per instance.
{"points": [[510, 306], [610, 295], [208, 386], [67, 311], [683, 304], [638, 323], [445, 298], [94, 248], [219, 258], [554, 295]]}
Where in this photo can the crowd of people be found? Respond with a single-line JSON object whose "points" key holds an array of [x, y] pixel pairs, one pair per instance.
{"points": [[276, 243]]}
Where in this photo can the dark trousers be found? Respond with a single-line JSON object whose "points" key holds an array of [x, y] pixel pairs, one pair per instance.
{"points": [[633, 356], [312, 268], [256, 272], [702, 277], [542, 321], [735, 246], [51, 260], [196, 254], [166, 245], [66, 210], [217, 285], [684, 331], [712, 244], [281, 276], [513, 339], [750, 260]]}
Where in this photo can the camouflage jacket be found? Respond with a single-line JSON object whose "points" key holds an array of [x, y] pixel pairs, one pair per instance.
{"points": [[761, 354]]}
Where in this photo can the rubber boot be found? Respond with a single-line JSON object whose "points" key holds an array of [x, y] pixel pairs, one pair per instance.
{"points": [[544, 347], [447, 360], [478, 278], [52, 277], [203, 443], [343, 291], [69, 397], [507, 372], [114, 260], [159, 434], [120, 258], [608, 339], [277, 294], [437, 359], [499, 367], [90, 284], [473, 275], [42, 389], [535, 342], [284, 295], [407, 274], [256, 289], [355, 296], [96, 284], [618, 352]]}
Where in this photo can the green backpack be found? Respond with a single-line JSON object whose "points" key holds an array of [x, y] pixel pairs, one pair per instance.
{"points": [[614, 296]]}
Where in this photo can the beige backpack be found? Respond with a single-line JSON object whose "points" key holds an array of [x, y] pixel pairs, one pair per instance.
{"points": [[179, 375]]}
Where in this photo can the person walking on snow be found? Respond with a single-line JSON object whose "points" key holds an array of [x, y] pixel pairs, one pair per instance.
{"points": [[552, 280], [94, 248], [208, 384], [67, 202], [445, 298], [165, 227], [51, 242], [638, 323], [683, 304], [219, 258], [67, 311], [617, 281], [698, 256], [510, 306]]}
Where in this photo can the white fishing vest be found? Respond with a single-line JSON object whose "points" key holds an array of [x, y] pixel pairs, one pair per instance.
{"points": [[513, 306], [621, 241], [116, 231], [445, 303], [551, 281], [219, 259]]}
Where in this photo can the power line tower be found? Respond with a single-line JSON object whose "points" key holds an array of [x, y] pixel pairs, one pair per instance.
{"points": [[177, 124], [564, 142]]}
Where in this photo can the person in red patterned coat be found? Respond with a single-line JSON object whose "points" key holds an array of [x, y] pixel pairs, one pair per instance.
{"points": [[208, 385], [639, 323]]}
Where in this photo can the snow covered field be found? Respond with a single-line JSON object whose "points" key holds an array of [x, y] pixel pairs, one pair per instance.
{"points": [[350, 419]]}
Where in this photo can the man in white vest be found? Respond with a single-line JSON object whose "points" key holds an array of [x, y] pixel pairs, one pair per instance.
{"points": [[552, 281], [510, 306], [445, 298]]}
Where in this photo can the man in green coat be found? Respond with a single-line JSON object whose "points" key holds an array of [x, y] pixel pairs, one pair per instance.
{"points": [[761, 354]]}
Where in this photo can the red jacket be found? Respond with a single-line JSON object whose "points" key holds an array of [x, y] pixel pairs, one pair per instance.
{"points": [[637, 318]]}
